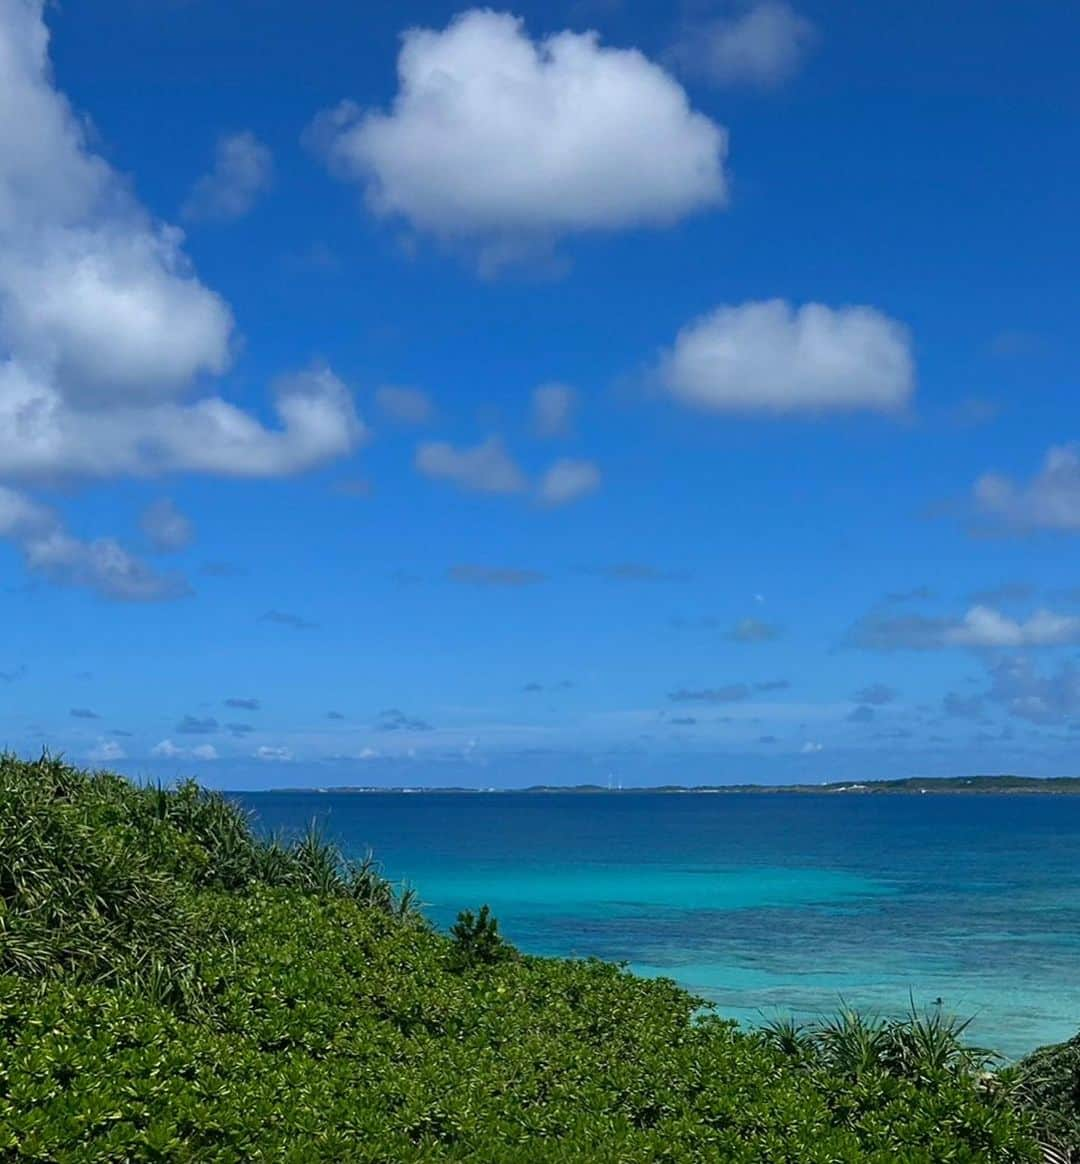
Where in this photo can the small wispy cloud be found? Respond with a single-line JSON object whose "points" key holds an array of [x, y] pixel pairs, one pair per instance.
{"points": [[222, 570], [273, 754], [760, 45], [101, 565], [978, 627], [355, 487], [395, 720], [167, 750], [411, 406], [510, 576], [193, 725], [957, 706], [285, 618], [753, 630], [915, 594], [106, 752], [243, 170], [694, 622], [566, 481], [553, 408], [483, 468], [166, 528], [1050, 500], [638, 572], [877, 694], [730, 693], [1004, 592]]}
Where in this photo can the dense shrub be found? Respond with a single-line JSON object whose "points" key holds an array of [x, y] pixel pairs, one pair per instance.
{"points": [[322, 1021], [1048, 1085], [100, 880]]}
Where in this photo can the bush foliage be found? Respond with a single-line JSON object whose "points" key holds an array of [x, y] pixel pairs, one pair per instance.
{"points": [[1048, 1084], [173, 987]]}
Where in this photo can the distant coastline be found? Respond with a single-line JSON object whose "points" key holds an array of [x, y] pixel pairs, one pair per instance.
{"points": [[914, 785]]}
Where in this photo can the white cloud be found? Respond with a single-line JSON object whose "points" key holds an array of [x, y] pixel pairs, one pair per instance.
{"points": [[762, 46], [1051, 500], [106, 752], [101, 565], [166, 528], [169, 751], [980, 627], [106, 333], [1043, 699], [90, 287], [775, 358], [42, 437], [19, 515], [811, 747], [509, 143], [567, 480], [405, 405], [984, 627], [489, 468], [553, 407], [243, 169], [272, 754], [483, 468]]}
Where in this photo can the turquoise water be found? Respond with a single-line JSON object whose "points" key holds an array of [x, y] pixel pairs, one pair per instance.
{"points": [[765, 904]]}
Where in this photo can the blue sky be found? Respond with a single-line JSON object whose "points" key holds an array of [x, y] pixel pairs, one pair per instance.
{"points": [[431, 395]]}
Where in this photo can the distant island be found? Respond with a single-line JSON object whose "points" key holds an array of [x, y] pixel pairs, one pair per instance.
{"points": [[1049, 785]]}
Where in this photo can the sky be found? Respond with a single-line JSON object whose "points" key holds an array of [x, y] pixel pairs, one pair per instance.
{"points": [[596, 391]]}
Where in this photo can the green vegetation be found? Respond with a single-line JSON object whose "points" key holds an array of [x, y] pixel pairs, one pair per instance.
{"points": [[1049, 1083], [174, 988]]}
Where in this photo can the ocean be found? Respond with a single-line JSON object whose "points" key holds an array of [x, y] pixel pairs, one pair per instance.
{"points": [[765, 904]]}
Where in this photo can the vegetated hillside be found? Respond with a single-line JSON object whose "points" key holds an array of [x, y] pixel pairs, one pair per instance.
{"points": [[174, 988]]}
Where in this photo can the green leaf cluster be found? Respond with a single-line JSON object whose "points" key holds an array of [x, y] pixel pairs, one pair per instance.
{"points": [[174, 988], [1047, 1086]]}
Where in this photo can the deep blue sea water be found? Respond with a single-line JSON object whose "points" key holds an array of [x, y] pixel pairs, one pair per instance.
{"points": [[764, 903]]}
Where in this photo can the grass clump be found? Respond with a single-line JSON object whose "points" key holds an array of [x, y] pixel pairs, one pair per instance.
{"points": [[920, 1047], [318, 1017]]}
